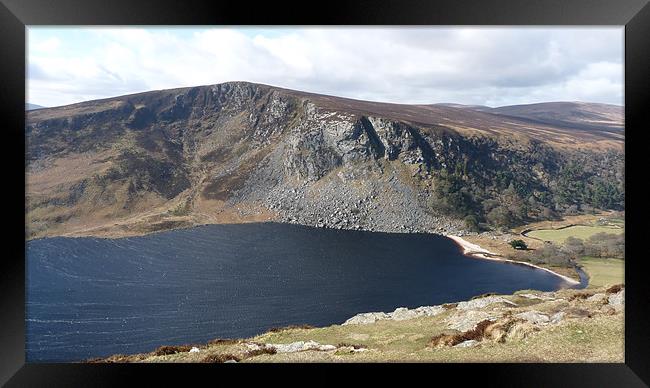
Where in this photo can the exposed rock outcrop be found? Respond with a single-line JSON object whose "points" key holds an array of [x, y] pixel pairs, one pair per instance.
{"points": [[241, 152], [301, 346], [483, 302], [498, 318], [400, 314], [480, 328]]}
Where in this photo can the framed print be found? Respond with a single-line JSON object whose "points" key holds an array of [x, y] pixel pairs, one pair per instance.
{"points": [[433, 185]]}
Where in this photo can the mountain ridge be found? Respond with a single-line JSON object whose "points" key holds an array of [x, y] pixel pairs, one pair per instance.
{"points": [[244, 152], [419, 114], [29, 106]]}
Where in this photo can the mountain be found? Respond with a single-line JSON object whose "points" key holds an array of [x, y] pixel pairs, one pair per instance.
{"points": [[569, 115], [578, 115], [29, 106], [464, 106], [244, 152]]}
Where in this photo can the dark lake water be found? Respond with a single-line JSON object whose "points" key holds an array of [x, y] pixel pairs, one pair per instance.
{"points": [[90, 297]]}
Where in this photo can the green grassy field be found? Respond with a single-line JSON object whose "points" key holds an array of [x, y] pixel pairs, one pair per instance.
{"points": [[581, 341], [579, 231], [603, 272], [617, 221]]}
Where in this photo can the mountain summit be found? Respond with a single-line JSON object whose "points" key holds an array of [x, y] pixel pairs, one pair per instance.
{"points": [[244, 152]]}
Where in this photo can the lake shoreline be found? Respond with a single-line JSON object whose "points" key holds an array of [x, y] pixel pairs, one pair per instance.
{"points": [[469, 249], [218, 264], [474, 250], [296, 343]]}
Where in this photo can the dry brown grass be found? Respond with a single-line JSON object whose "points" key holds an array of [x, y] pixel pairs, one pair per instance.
{"points": [[220, 358], [496, 331], [258, 352], [484, 295], [166, 350], [614, 289], [576, 312], [290, 327], [354, 346], [222, 341], [118, 359], [67, 170], [222, 188], [580, 296], [476, 333]]}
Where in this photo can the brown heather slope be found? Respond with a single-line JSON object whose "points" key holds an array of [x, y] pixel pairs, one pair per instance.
{"points": [[575, 116], [242, 152], [551, 121], [556, 123]]}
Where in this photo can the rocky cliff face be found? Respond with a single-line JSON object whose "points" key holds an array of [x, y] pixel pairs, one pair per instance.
{"points": [[241, 152]]}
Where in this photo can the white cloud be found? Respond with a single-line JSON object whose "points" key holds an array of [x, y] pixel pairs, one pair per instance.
{"points": [[493, 66], [48, 45]]}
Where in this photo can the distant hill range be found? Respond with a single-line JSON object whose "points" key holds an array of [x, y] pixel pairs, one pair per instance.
{"points": [[573, 115], [244, 152], [29, 106]]}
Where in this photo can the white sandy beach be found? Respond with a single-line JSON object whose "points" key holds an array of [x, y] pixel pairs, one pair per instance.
{"points": [[476, 251]]}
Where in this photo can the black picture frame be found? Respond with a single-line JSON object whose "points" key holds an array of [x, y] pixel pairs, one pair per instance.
{"points": [[16, 14]]}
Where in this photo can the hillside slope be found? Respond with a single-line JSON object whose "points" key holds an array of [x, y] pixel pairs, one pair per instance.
{"points": [[29, 106], [242, 152], [528, 326], [577, 115]]}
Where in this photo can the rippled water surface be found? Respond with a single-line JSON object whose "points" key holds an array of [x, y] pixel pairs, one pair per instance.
{"points": [[90, 297]]}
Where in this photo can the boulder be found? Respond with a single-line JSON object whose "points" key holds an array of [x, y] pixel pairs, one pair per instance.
{"points": [[617, 300], [300, 346], [534, 317], [558, 317], [464, 321], [539, 297], [482, 302], [366, 318], [598, 298], [429, 311], [401, 314], [466, 344], [255, 346]]}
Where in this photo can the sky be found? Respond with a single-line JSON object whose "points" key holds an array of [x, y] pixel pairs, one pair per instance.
{"points": [[493, 66]]}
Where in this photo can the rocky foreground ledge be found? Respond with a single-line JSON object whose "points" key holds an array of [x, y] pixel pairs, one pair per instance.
{"points": [[528, 326]]}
